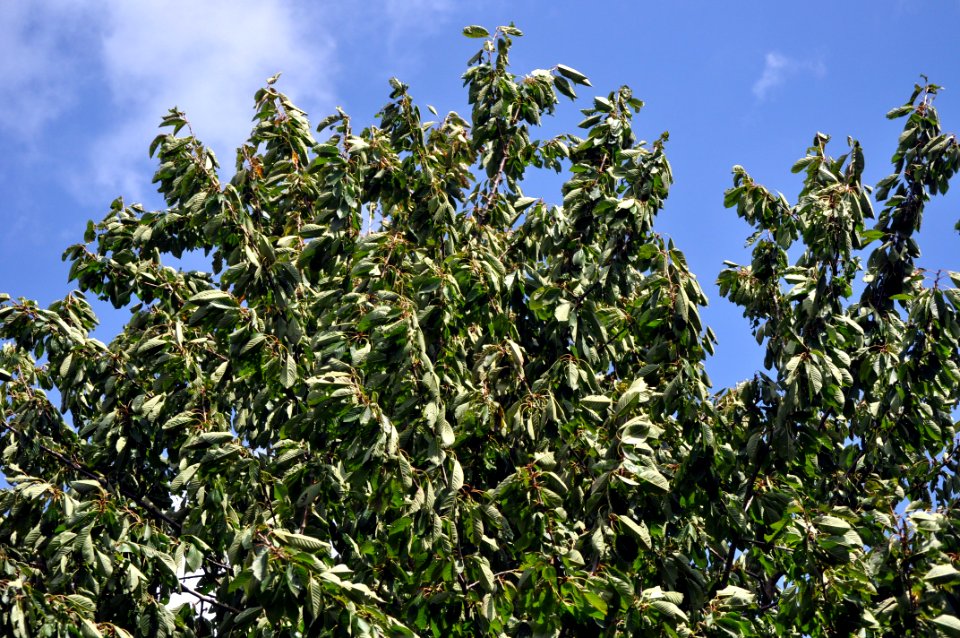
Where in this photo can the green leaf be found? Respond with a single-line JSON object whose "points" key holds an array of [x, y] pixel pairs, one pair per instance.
{"points": [[900, 111], [949, 625], [82, 603], [564, 88], [638, 530], [288, 372], [447, 436], [486, 577], [598, 603], [247, 615], [573, 75], [832, 524], [603, 104], [655, 478], [89, 629], [943, 574], [316, 597], [302, 541], [736, 596], [86, 485], [207, 296], [475, 31], [208, 439], [456, 476], [669, 609]]}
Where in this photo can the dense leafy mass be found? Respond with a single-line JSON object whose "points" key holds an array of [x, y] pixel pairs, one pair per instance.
{"points": [[409, 398]]}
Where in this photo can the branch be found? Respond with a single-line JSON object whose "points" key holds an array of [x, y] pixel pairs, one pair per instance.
{"points": [[208, 599], [747, 500], [495, 185], [76, 466], [143, 501]]}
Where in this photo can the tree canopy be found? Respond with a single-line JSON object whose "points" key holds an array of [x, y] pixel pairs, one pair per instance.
{"points": [[410, 398]]}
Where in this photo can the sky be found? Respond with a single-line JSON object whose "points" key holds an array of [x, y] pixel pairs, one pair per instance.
{"points": [[84, 85]]}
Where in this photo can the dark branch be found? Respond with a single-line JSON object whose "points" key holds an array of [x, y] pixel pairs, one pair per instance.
{"points": [[208, 599], [78, 467]]}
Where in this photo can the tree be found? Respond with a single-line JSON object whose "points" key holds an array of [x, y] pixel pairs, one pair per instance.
{"points": [[411, 399]]}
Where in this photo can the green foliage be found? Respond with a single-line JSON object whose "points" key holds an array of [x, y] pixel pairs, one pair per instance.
{"points": [[410, 399]]}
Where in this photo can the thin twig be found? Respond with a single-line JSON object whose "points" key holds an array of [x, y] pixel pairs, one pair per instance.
{"points": [[208, 599], [142, 501]]}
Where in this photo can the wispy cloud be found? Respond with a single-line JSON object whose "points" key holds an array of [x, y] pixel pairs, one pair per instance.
{"points": [[132, 61], [38, 74], [207, 58], [406, 16], [778, 68]]}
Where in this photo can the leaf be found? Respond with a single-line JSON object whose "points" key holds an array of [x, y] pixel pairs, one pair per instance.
{"points": [[208, 439], [637, 530], [207, 296], [598, 603], [522, 203], [85, 486], [564, 88], [82, 603], [65, 365], [596, 401], [900, 111], [179, 420], [942, 574], [89, 629], [456, 476], [515, 353], [316, 597], [814, 375], [573, 75], [736, 596], [669, 609], [655, 478], [487, 608], [447, 437], [247, 615], [258, 568], [288, 372], [302, 541], [217, 374], [431, 412], [602, 104], [950, 625], [832, 524], [253, 342], [487, 580], [475, 31]]}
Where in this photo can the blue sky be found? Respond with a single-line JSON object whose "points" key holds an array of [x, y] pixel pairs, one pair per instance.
{"points": [[85, 84]]}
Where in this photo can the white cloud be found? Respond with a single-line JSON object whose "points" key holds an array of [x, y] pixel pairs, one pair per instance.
{"points": [[777, 68], [207, 58], [100, 75], [132, 61]]}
